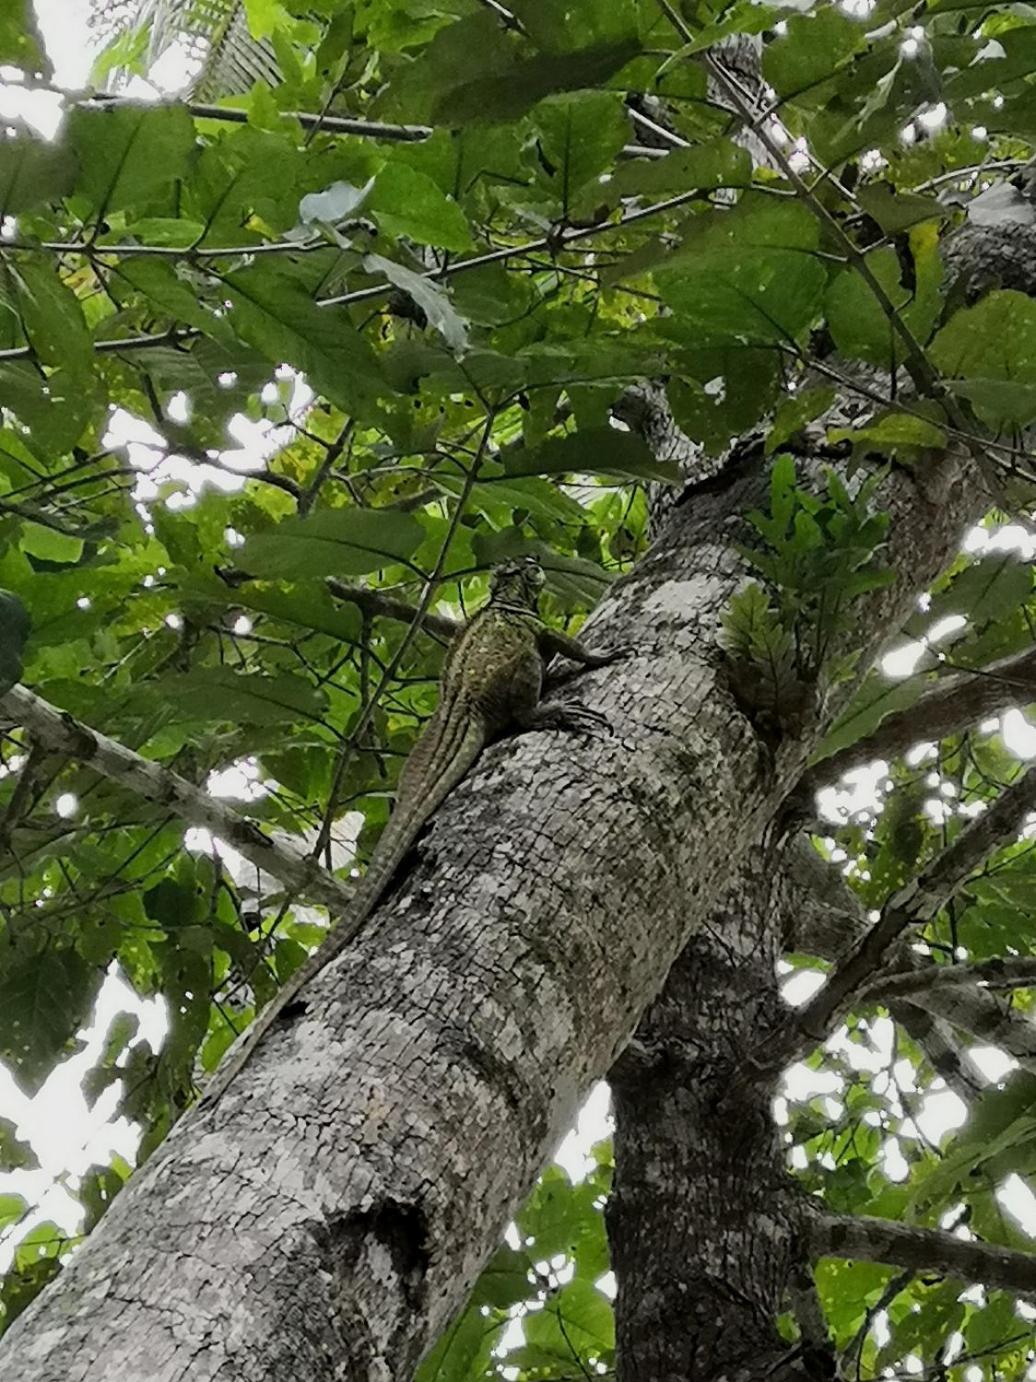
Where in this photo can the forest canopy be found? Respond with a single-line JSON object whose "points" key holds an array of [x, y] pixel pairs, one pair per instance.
{"points": [[390, 292]]}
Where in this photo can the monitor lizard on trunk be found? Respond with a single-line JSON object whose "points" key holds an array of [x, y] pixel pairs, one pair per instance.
{"points": [[491, 683]]}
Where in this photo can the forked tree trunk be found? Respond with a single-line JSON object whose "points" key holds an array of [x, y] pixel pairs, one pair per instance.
{"points": [[328, 1215]]}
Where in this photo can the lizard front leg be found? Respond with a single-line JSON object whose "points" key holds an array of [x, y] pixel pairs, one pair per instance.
{"points": [[570, 716], [553, 641]]}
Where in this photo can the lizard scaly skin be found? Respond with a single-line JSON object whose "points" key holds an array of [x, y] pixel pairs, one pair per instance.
{"points": [[491, 682]]}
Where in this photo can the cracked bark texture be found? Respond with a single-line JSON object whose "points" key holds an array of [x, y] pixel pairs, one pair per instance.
{"points": [[702, 1217], [329, 1214], [658, 1308]]}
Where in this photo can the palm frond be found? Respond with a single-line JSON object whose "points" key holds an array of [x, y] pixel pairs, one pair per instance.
{"points": [[212, 34]]}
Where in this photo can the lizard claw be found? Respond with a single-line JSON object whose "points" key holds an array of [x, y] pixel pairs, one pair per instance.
{"points": [[609, 655], [582, 720]]}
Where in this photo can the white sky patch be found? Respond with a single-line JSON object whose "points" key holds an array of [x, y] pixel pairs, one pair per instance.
{"points": [[161, 466], [942, 628], [240, 781], [1018, 734], [802, 986], [905, 660], [593, 1124], [70, 43], [1019, 1201], [934, 117], [66, 1136], [995, 1065]]}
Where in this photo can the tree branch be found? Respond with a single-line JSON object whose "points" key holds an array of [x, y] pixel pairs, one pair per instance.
{"points": [[57, 730], [1003, 971], [332, 124], [922, 1249], [377, 603], [959, 702], [825, 918], [916, 904]]}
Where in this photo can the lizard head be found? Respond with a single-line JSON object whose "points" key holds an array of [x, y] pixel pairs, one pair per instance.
{"points": [[518, 582]]}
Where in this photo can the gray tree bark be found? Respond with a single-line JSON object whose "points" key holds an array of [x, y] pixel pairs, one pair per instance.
{"points": [[705, 1242], [328, 1215]]}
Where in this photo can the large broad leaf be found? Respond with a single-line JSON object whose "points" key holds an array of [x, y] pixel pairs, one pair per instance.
{"points": [[475, 71], [130, 156], [32, 172], [994, 341], [564, 28], [510, 94], [51, 315], [19, 37], [157, 280], [306, 604], [858, 321], [14, 631], [594, 451], [578, 137], [744, 277], [55, 408], [217, 694], [45, 998], [406, 202], [276, 313], [720, 163], [811, 51], [333, 542]]}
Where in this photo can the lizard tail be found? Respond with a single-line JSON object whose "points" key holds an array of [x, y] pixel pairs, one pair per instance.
{"points": [[439, 760], [444, 753]]}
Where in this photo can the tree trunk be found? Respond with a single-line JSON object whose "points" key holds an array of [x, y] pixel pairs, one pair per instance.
{"points": [[327, 1216], [702, 1244]]}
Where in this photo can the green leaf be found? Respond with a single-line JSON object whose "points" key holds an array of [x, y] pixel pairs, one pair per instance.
{"points": [[32, 172], [55, 409], [218, 694], [993, 341], [12, 1208], [44, 1000], [431, 297], [578, 137], [274, 311], [15, 1155], [333, 542], [19, 37], [577, 1318], [987, 589], [511, 93], [592, 451], [815, 46], [998, 401], [898, 211], [473, 71], [891, 432], [795, 413], [720, 163], [14, 633], [859, 323], [130, 157], [406, 202], [743, 277], [157, 280], [308, 605], [51, 315]]}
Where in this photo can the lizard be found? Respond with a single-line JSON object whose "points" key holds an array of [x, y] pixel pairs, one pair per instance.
{"points": [[491, 682]]}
